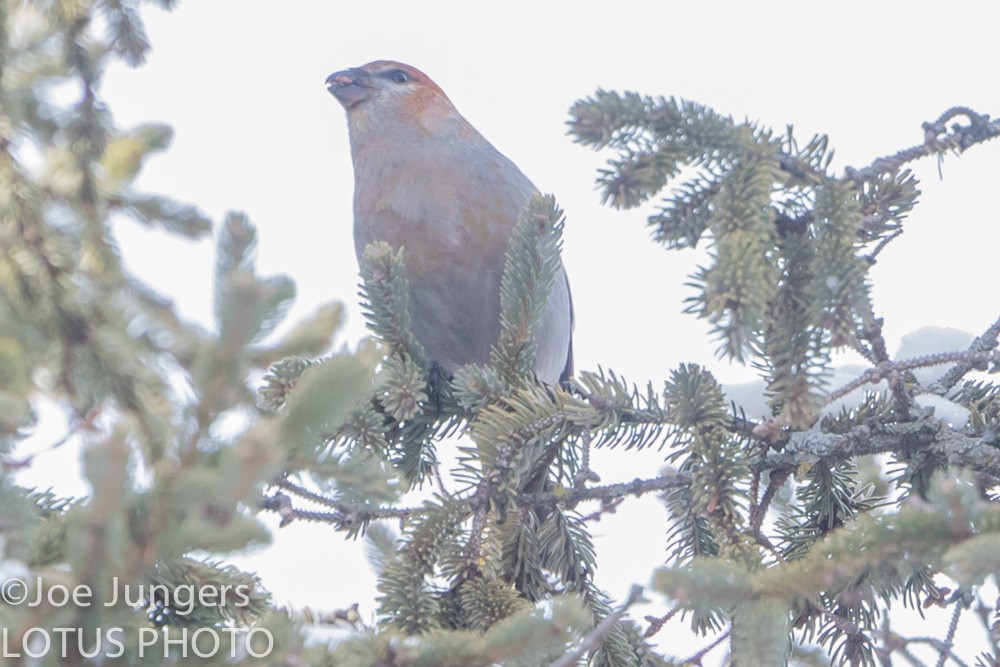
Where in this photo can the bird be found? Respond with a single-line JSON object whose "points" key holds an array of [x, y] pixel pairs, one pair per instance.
{"points": [[427, 181]]}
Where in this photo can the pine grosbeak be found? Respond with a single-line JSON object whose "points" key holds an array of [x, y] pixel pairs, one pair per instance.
{"points": [[427, 181]]}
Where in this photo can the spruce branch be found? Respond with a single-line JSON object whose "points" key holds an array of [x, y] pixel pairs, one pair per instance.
{"points": [[938, 140], [386, 298], [938, 646], [684, 217], [949, 639], [872, 332], [79, 424], [600, 631], [891, 370], [872, 257], [735, 289], [884, 202], [637, 487], [585, 474], [618, 412], [345, 509], [656, 623], [991, 656], [607, 507], [696, 658], [983, 344], [924, 439], [494, 474], [796, 360], [893, 642], [855, 644], [478, 504], [439, 481], [765, 542], [529, 273], [473, 551], [758, 510]]}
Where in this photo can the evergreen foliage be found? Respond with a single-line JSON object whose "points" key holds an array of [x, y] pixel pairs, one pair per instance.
{"points": [[787, 540]]}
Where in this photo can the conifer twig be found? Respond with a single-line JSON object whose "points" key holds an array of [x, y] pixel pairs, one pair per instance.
{"points": [[754, 492], [763, 540], [949, 638], [923, 439], [436, 470], [776, 480], [282, 505], [84, 422], [887, 368], [984, 613], [656, 623], [937, 645], [979, 129], [636, 487], [696, 658], [984, 343], [873, 255], [585, 474], [480, 504], [873, 334], [342, 508], [474, 545], [607, 507], [594, 637]]}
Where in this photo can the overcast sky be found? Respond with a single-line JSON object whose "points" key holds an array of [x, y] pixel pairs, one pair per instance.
{"points": [[241, 81]]}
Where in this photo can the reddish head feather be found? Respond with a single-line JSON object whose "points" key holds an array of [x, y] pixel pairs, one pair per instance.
{"points": [[425, 102]]}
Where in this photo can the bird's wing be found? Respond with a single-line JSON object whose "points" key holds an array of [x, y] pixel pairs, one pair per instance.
{"points": [[567, 372], [554, 339]]}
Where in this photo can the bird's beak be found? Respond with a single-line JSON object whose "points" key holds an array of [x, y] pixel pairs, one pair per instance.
{"points": [[349, 86]]}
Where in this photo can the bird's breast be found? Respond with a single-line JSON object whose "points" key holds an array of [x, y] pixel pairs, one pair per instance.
{"points": [[442, 224]]}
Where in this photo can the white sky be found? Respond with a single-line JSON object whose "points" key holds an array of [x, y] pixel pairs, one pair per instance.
{"points": [[242, 83]]}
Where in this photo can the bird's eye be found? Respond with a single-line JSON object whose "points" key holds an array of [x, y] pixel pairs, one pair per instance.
{"points": [[399, 76]]}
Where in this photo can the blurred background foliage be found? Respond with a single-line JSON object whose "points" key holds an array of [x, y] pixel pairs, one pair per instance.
{"points": [[175, 451]]}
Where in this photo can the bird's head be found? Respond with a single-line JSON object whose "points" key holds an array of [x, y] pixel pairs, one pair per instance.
{"points": [[386, 92]]}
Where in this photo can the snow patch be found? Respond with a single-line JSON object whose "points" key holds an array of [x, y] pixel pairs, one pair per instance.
{"points": [[953, 414], [932, 340]]}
